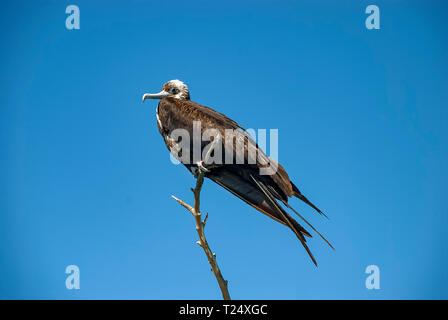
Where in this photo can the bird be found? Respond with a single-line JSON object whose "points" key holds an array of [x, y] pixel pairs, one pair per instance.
{"points": [[264, 192]]}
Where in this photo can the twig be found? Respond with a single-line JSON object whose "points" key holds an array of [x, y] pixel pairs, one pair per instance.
{"points": [[200, 224]]}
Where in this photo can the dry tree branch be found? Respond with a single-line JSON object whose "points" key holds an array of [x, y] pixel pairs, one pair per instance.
{"points": [[200, 224]]}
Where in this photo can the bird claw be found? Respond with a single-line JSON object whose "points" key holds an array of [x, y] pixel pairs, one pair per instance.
{"points": [[201, 167]]}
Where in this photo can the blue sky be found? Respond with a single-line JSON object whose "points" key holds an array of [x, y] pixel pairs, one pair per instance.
{"points": [[87, 180]]}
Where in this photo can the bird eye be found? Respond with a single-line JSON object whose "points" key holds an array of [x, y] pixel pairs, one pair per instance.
{"points": [[173, 90]]}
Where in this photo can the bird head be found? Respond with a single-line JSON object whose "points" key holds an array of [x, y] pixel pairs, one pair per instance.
{"points": [[174, 88]]}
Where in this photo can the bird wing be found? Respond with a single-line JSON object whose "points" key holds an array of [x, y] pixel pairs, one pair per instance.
{"points": [[242, 180], [243, 141], [174, 113], [281, 184]]}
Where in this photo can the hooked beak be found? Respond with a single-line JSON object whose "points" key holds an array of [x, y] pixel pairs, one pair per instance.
{"points": [[160, 95]]}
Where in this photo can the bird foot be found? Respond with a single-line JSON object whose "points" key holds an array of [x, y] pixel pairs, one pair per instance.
{"points": [[202, 167]]}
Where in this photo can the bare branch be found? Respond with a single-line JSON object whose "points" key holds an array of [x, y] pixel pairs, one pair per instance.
{"points": [[201, 224], [185, 205]]}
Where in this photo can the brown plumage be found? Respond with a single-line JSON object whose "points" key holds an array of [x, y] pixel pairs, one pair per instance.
{"points": [[263, 192]]}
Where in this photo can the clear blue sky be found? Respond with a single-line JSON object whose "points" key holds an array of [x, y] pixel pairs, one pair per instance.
{"points": [[86, 179]]}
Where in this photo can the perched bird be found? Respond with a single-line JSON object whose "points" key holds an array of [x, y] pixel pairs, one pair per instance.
{"points": [[264, 192]]}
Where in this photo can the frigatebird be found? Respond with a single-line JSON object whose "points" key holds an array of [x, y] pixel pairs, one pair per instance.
{"points": [[264, 192]]}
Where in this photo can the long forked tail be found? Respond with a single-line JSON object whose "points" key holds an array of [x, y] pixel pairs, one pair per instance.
{"points": [[255, 193], [288, 220]]}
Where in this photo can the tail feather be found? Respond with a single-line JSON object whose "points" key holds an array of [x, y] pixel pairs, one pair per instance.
{"points": [[309, 224], [253, 190], [299, 195], [287, 218]]}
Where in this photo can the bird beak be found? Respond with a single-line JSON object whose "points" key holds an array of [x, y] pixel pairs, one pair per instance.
{"points": [[160, 95]]}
